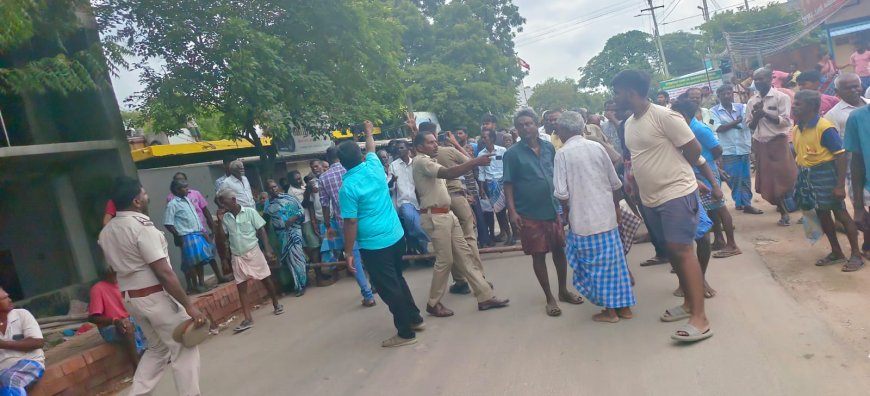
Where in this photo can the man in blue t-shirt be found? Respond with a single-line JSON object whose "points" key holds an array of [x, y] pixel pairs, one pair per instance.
{"points": [[371, 221]]}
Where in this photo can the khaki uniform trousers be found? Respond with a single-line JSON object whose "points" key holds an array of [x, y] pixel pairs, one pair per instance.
{"points": [[462, 209], [158, 314], [451, 251]]}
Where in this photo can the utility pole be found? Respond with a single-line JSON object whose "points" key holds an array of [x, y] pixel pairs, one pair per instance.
{"points": [[746, 5], [705, 11], [658, 38]]}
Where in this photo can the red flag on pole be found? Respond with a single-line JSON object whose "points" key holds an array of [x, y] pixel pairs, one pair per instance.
{"points": [[523, 64]]}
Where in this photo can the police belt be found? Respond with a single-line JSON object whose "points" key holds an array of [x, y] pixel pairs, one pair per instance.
{"points": [[145, 292]]}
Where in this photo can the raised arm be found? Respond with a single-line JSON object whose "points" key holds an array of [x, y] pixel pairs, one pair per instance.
{"points": [[370, 139], [460, 170]]}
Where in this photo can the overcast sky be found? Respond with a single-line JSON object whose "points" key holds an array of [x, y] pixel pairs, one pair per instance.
{"points": [[561, 35]]}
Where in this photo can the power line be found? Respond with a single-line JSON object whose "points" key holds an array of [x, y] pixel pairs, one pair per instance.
{"points": [[671, 11], [578, 25], [553, 28]]}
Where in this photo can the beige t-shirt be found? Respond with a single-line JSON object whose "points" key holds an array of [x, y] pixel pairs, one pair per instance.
{"points": [[130, 243], [431, 190], [661, 171], [20, 324]]}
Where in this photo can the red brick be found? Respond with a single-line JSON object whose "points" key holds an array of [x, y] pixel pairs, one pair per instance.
{"points": [[96, 380], [75, 390], [72, 364], [52, 386], [53, 371]]}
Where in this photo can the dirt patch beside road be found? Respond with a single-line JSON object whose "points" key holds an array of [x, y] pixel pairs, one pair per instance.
{"points": [[838, 297]]}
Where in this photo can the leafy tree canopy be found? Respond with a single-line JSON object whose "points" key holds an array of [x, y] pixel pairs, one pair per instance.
{"points": [[630, 50], [565, 94]]}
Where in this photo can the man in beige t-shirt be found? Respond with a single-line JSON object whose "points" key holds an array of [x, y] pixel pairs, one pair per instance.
{"points": [[451, 247], [663, 150]]}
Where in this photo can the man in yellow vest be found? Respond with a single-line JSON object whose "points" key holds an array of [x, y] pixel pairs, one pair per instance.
{"points": [[821, 184]]}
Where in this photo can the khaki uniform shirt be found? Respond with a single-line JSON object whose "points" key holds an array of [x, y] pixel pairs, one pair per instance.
{"points": [[431, 190], [449, 157], [130, 243]]}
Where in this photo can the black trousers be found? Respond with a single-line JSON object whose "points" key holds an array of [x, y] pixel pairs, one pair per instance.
{"points": [[385, 273]]}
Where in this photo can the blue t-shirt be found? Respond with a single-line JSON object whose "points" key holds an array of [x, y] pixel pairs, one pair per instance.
{"points": [[364, 196], [858, 138], [708, 141]]}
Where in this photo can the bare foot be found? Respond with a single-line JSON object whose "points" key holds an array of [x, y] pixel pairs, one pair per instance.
{"points": [[709, 292], [606, 316], [679, 292], [624, 313]]}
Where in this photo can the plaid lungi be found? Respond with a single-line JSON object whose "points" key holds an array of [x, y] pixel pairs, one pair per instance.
{"points": [[600, 270], [330, 250], [739, 178], [628, 228], [815, 187], [495, 192], [195, 249], [15, 379]]}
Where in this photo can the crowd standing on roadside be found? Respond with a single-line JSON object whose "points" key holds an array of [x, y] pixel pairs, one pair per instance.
{"points": [[571, 185]]}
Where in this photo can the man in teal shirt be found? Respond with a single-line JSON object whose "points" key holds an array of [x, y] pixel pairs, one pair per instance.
{"points": [[857, 142], [371, 221]]}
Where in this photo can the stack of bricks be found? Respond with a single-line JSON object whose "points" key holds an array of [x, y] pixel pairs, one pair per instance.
{"points": [[101, 368], [97, 369]]}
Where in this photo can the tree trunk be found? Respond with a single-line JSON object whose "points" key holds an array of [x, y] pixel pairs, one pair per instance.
{"points": [[267, 157]]}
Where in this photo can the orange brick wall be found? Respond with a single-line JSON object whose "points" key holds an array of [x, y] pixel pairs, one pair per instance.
{"points": [[96, 369]]}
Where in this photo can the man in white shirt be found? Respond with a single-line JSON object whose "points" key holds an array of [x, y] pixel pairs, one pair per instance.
{"points": [[406, 199], [22, 361], [590, 190], [238, 183], [490, 178], [848, 87]]}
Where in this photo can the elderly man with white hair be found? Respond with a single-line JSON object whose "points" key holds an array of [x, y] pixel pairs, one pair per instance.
{"points": [[238, 183], [589, 190]]}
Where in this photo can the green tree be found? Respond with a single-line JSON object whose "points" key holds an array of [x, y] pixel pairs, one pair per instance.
{"points": [[460, 62], [630, 50], [684, 52], [40, 34], [565, 94], [274, 63], [758, 18]]}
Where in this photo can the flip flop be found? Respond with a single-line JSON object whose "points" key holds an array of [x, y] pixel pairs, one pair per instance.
{"points": [[693, 334], [622, 316], [674, 314], [553, 310], [855, 263], [830, 260], [574, 299], [654, 261], [717, 246], [727, 253]]}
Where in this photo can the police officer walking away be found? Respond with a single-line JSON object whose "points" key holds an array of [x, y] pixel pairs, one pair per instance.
{"points": [[137, 251]]}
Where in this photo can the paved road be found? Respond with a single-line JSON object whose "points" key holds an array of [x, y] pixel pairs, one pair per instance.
{"points": [[326, 344]]}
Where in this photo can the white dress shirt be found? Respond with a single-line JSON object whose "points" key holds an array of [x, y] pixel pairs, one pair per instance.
{"points": [[242, 188], [839, 114], [584, 176], [405, 189], [495, 170]]}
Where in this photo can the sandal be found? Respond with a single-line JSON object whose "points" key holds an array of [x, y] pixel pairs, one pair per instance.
{"points": [[691, 334], [571, 298], [716, 246], [783, 222], [553, 310], [727, 253], [620, 313], [855, 263], [674, 314], [830, 259], [654, 261]]}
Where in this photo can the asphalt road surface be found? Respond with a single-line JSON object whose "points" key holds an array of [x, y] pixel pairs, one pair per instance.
{"points": [[327, 344]]}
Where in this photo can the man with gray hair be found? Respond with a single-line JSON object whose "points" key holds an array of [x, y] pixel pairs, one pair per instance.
{"points": [[589, 190], [849, 89], [238, 183], [528, 185]]}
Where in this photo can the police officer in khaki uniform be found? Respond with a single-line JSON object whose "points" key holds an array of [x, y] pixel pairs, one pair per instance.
{"points": [[137, 251], [442, 226], [449, 156]]}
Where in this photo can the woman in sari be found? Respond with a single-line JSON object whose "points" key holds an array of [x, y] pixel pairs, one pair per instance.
{"points": [[286, 217]]}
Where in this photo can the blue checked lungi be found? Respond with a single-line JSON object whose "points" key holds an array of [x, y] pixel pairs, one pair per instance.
{"points": [[495, 192], [600, 269], [329, 249], [739, 178], [704, 223], [815, 187], [195, 250], [22, 374]]}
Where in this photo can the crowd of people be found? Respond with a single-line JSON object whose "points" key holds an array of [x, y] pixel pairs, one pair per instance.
{"points": [[572, 185]]}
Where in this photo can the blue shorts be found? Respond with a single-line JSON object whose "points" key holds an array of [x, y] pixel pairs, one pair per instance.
{"points": [[110, 335], [675, 221]]}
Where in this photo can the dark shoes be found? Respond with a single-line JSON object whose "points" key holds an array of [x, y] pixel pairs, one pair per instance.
{"points": [[439, 311], [459, 288], [492, 303]]}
